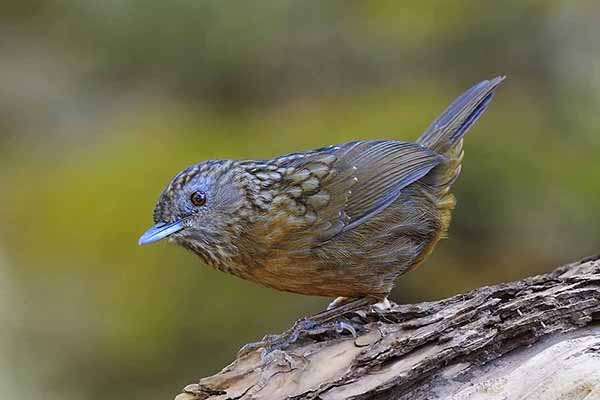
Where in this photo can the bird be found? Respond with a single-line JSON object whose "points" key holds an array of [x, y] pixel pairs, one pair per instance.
{"points": [[342, 221]]}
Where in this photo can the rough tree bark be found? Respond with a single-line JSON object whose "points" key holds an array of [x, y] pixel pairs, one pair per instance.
{"points": [[538, 338]]}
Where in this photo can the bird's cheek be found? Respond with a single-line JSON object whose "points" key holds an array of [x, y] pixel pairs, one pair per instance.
{"points": [[180, 236]]}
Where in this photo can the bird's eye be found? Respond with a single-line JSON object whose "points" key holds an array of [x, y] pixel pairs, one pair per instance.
{"points": [[198, 198]]}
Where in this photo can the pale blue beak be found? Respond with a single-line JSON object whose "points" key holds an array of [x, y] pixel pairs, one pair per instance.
{"points": [[160, 231]]}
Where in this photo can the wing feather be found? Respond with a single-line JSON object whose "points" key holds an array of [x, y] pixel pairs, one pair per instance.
{"points": [[325, 192], [381, 169]]}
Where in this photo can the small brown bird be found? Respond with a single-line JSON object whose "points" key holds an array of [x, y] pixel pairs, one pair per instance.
{"points": [[339, 221]]}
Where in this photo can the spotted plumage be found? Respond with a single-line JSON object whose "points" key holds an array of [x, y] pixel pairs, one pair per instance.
{"points": [[341, 220]]}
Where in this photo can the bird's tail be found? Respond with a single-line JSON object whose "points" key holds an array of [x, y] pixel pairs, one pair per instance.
{"points": [[445, 135], [450, 127]]}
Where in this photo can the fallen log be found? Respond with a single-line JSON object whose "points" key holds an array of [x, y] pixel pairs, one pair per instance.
{"points": [[537, 338]]}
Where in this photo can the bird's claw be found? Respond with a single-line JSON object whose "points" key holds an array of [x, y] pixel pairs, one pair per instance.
{"points": [[341, 326], [249, 348], [271, 343], [302, 328], [280, 358]]}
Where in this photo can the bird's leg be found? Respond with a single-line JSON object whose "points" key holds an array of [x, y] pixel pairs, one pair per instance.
{"points": [[314, 325], [338, 301], [343, 306], [381, 306]]}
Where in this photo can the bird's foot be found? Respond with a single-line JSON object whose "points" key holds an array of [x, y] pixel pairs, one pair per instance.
{"points": [[330, 320], [270, 343], [274, 345]]}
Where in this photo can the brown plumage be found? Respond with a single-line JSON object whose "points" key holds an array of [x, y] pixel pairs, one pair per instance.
{"points": [[343, 220]]}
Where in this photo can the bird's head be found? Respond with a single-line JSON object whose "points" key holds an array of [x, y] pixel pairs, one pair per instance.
{"points": [[199, 210]]}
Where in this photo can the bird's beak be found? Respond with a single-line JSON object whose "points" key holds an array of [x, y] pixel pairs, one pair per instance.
{"points": [[160, 231]]}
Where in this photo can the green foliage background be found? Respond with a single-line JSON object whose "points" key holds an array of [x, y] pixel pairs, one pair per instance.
{"points": [[102, 102]]}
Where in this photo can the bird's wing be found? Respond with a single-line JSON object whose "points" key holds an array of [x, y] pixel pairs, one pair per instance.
{"points": [[381, 169], [335, 189]]}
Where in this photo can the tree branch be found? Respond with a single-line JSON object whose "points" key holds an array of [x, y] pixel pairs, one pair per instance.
{"points": [[535, 338]]}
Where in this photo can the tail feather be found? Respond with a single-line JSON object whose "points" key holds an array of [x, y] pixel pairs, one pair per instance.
{"points": [[444, 136], [450, 127]]}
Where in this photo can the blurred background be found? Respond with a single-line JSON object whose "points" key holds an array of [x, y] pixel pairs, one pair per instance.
{"points": [[102, 102]]}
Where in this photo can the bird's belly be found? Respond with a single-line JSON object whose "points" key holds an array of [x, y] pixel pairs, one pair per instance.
{"points": [[311, 276]]}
